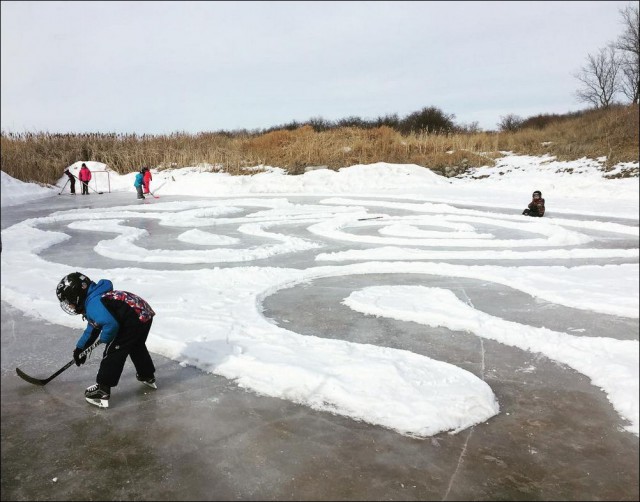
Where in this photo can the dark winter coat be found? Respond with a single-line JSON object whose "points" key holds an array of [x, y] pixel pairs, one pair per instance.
{"points": [[108, 312], [536, 207]]}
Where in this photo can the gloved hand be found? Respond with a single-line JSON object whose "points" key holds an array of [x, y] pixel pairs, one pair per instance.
{"points": [[76, 357]]}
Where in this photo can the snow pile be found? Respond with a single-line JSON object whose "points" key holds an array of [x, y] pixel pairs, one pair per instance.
{"points": [[390, 219]]}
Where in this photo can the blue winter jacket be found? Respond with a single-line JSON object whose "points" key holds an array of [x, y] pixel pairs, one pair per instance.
{"points": [[138, 180], [98, 317]]}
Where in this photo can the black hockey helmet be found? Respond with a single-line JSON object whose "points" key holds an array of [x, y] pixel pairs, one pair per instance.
{"points": [[537, 192], [72, 292]]}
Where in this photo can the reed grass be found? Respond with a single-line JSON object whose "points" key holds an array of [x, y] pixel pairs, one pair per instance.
{"points": [[41, 157]]}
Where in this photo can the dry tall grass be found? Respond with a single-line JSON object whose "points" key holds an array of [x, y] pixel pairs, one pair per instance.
{"points": [[41, 157]]}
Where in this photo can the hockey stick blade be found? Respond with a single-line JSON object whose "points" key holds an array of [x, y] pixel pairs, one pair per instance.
{"points": [[43, 381]]}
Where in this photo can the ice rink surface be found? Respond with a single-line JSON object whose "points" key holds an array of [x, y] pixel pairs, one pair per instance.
{"points": [[213, 435]]}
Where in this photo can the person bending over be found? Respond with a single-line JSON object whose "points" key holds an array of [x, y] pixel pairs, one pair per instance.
{"points": [[119, 319]]}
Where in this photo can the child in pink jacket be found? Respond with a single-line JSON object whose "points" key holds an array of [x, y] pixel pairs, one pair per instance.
{"points": [[146, 179], [84, 176]]}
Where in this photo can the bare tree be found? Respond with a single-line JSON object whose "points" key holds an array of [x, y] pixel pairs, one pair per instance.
{"points": [[510, 123], [630, 80], [600, 78], [628, 44]]}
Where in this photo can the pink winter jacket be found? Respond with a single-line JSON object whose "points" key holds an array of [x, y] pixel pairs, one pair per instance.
{"points": [[84, 174]]}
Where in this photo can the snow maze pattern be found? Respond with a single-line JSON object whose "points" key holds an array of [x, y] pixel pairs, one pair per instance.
{"points": [[410, 393]]}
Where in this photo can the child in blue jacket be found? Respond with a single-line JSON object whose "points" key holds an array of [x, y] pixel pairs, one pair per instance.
{"points": [[139, 182], [120, 319]]}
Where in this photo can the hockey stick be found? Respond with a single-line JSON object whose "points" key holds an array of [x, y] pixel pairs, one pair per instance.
{"points": [[152, 193], [161, 185], [37, 381], [81, 182], [93, 189], [65, 186], [45, 381]]}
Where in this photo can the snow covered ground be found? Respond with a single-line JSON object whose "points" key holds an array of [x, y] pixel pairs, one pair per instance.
{"points": [[395, 219]]}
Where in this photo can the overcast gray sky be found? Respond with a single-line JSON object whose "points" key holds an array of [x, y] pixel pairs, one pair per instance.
{"points": [[161, 67]]}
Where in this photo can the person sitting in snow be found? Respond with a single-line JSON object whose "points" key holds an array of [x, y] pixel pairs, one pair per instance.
{"points": [[536, 206]]}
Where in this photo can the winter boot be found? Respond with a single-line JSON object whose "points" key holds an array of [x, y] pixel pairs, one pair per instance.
{"points": [[98, 395]]}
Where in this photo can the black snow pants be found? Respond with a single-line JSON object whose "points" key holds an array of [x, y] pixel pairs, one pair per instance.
{"points": [[131, 342]]}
